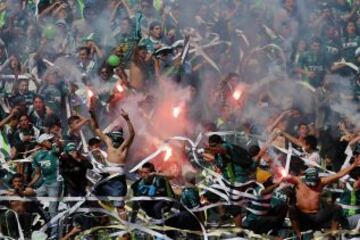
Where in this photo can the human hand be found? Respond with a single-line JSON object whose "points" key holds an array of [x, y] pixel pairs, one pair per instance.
{"points": [[124, 114], [15, 110], [75, 230]]}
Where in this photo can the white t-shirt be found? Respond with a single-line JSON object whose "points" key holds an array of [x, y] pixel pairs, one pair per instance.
{"points": [[313, 157]]}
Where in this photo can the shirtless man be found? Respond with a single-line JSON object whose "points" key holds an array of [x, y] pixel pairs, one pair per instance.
{"points": [[117, 150], [310, 212]]}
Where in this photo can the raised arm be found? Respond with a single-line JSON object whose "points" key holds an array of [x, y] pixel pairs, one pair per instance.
{"points": [[333, 178], [81, 123], [128, 141], [292, 179], [293, 139], [7, 119], [355, 140], [97, 131], [268, 144], [269, 189], [273, 125]]}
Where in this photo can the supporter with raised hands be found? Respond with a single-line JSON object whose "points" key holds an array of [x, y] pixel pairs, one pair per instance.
{"points": [[309, 212]]}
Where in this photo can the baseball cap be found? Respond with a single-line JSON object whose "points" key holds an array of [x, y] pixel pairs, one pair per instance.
{"points": [[44, 137]]}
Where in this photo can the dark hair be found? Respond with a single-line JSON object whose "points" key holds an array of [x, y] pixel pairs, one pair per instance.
{"points": [[88, 51], [215, 139], [316, 40], [254, 150], [302, 124], [355, 173], [39, 97], [149, 166], [72, 119], [311, 141], [153, 25], [93, 141], [16, 175], [24, 114], [51, 122]]}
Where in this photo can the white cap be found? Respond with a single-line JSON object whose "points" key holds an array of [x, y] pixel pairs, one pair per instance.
{"points": [[44, 137]]}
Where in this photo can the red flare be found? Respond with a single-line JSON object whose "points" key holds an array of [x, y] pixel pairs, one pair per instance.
{"points": [[90, 93], [168, 152], [176, 111], [283, 173], [237, 95], [119, 87]]}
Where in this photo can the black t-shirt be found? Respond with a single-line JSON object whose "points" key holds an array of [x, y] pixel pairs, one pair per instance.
{"points": [[74, 173]]}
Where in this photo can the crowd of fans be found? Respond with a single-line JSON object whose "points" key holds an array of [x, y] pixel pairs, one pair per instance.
{"points": [[89, 88]]}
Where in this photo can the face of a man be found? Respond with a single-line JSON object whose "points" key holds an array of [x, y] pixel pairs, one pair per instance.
{"points": [[156, 32], [17, 183], [24, 122], [303, 131], [38, 104], [55, 130], [23, 86], [316, 47], [351, 28], [145, 174], [124, 26], [73, 154], [83, 55]]}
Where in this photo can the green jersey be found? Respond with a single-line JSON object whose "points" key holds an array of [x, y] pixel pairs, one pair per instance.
{"points": [[313, 62], [348, 47], [48, 162], [190, 197], [350, 198]]}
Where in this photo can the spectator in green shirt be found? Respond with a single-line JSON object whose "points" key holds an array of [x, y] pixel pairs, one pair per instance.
{"points": [[46, 165]]}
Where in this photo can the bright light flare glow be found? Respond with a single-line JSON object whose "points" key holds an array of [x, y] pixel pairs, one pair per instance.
{"points": [[176, 111], [237, 95], [119, 87], [283, 173], [90, 93], [168, 152]]}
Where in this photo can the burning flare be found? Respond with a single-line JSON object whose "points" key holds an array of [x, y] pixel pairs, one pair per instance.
{"points": [[90, 93], [176, 111], [283, 173], [237, 95], [168, 152], [119, 87]]}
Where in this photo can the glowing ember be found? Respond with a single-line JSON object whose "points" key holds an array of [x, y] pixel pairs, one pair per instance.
{"points": [[168, 152], [237, 95], [119, 87], [90, 93], [176, 111]]}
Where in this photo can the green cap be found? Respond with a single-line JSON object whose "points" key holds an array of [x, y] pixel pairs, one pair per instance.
{"points": [[311, 177], [70, 147]]}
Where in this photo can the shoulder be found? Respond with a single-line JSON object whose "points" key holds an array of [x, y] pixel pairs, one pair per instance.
{"points": [[40, 155]]}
